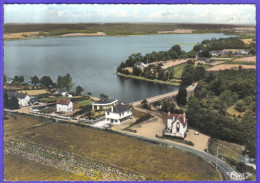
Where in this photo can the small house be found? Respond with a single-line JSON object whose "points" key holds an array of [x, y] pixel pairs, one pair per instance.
{"points": [[140, 65], [64, 105], [118, 114], [62, 92], [23, 98], [176, 125]]}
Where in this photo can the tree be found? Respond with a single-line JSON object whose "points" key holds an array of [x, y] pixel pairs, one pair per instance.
{"points": [[46, 82], [79, 90], [6, 100], [144, 104], [177, 49], [35, 80], [240, 106], [89, 93], [64, 82], [182, 96], [137, 71], [200, 73], [102, 95], [13, 103], [21, 79], [188, 75]]}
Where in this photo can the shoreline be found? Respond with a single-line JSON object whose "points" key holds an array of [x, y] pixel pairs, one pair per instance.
{"points": [[149, 80], [98, 34]]}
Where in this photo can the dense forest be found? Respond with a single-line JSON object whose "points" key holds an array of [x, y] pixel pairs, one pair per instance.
{"points": [[224, 43], [207, 109]]}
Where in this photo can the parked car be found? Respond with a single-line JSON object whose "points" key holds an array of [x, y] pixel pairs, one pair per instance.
{"points": [[196, 133]]}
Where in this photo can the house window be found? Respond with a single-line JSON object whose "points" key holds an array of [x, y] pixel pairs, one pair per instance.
{"points": [[107, 113], [178, 127], [115, 120]]}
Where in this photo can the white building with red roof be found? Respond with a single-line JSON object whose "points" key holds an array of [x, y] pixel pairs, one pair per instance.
{"points": [[64, 105], [176, 125]]}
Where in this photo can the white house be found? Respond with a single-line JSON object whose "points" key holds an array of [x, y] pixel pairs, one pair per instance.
{"points": [[64, 105], [118, 114], [176, 125], [104, 104], [23, 98], [140, 65], [62, 92]]}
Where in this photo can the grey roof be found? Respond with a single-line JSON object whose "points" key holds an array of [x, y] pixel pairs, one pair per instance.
{"points": [[62, 90], [17, 95], [119, 108], [104, 101]]}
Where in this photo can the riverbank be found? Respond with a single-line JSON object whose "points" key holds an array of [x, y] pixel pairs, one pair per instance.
{"points": [[150, 80]]}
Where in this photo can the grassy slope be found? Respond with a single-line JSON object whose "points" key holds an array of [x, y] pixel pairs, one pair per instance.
{"points": [[78, 104], [16, 168], [125, 152]]}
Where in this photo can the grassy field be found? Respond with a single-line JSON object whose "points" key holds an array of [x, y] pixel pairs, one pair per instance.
{"points": [[48, 99], [179, 69], [48, 110], [16, 168], [128, 153], [138, 114], [226, 149], [34, 92], [241, 62], [232, 111], [15, 125], [78, 104]]}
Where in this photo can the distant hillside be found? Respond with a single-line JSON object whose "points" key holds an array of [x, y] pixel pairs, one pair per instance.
{"points": [[117, 28]]}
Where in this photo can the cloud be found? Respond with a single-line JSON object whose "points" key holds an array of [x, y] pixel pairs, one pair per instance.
{"points": [[42, 13]]}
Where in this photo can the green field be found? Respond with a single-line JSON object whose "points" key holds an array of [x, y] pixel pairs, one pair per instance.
{"points": [[81, 103]]}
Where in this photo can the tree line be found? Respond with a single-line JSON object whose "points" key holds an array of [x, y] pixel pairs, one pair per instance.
{"points": [[173, 53]]}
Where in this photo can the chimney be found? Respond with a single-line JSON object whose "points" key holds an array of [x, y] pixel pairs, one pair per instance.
{"points": [[112, 109], [169, 113], [184, 116]]}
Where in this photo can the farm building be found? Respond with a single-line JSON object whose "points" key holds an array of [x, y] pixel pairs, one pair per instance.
{"points": [[104, 104], [176, 125], [118, 114], [64, 105]]}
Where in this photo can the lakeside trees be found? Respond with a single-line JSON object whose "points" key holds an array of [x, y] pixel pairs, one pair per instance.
{"points": [[46, 82], [65, 82], [35, 80]]}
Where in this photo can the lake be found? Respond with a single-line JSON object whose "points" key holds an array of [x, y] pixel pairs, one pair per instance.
{"points": [[92, 61]]}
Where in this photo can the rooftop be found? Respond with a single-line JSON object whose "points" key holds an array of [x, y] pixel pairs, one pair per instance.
{"points": [[63, 101], [105, 101], [119, 108], [180, 117]]}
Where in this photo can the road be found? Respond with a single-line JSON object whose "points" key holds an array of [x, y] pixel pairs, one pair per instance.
{"points": [[163, 96]]}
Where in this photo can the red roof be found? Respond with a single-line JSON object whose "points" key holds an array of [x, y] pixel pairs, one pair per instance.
{"points": [[180, 117], [63, 101]]}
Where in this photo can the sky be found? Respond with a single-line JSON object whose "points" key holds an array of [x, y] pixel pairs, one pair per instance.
{"points": [[83, 13]]}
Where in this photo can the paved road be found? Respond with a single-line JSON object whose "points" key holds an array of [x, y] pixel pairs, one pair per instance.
{"points": [[164, 96]]}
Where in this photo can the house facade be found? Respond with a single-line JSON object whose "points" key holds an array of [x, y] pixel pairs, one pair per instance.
{"points": [[23, 98], [104, 104], [118, 114], [140, 65], [64, 105], [176, 125]]}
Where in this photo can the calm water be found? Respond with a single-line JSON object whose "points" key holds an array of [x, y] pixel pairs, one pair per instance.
{"points": [[92, 61]]}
